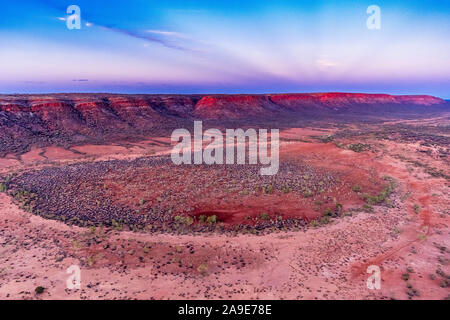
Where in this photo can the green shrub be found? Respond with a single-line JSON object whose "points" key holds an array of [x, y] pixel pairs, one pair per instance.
{"points": [[267, 189], [265, 216], [5, 184], [358, 147], [184, 220], [212, 219], [325, 220], [383, 195], [116, 225], [286, 189]]}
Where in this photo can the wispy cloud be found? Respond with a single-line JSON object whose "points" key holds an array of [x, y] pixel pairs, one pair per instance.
{"points": [[167, 33], [159, 38], [144, 36], [324, 63]]}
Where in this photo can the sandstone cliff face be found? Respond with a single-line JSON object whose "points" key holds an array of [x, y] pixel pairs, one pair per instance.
{"points": [[73, 118], [241, 106]]}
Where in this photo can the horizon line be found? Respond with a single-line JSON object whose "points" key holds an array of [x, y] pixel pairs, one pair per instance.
{"points": [[222, 94]]}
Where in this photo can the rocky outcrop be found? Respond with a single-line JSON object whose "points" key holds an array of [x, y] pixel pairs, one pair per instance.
{"points": [[74, 118]]}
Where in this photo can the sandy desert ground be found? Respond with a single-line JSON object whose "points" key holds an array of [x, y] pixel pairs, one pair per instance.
{"points": [[373, 194]]}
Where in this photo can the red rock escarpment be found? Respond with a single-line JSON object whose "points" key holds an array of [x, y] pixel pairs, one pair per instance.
{"points": [[61, 118]]}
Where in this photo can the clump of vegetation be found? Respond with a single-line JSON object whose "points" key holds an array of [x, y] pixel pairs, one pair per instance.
{"points": [[90, 261], [356, 188], [325, 220], [286, 189], [203, 269], [440, 273], [116, 225], [367, 207], [445, 282], [265, 216], [4, 186], [326, 138], [416, 208], [396, 231], [184, 220], [307, 193], [212, 219], [25, 198], [383, 195], [244, 192], [39, 290], [358, 147], [267, 189], [328, 212], [412, 292], [421, 236]]}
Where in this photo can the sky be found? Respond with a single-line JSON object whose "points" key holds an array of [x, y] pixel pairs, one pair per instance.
{"points": [[183, 46]]}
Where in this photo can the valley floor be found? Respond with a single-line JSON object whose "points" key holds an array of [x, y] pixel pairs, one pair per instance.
{"points": [[407, 239]]}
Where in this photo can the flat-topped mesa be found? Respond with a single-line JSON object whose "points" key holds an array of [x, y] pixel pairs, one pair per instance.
{"points": [[235, 107], [65, 118], [206, 106], [269, 105], [102, 115], [376, 98]]}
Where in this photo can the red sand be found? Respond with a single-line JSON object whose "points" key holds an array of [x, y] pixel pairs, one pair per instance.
{"points": [[327, 262]]}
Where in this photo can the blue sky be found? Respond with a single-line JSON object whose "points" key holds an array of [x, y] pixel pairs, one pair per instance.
{"points": [[225, 47]]}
